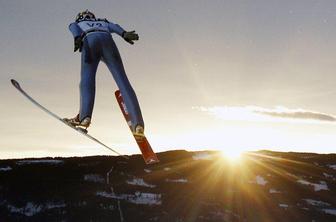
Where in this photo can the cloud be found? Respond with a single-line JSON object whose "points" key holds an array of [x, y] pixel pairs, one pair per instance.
{"points": [[254, 113], [299, 114]]}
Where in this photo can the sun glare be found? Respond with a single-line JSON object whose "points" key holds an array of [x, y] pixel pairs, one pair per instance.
{"points": [[233, 156]]}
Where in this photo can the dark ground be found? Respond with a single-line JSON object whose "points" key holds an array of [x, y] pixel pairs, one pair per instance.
{"points": [[184, 186]]}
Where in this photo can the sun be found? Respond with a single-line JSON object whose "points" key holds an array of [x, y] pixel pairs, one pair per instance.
{"points": [[233, 156]]}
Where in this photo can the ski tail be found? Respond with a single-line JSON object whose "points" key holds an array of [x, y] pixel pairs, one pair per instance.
{"points": [[145, 148]]}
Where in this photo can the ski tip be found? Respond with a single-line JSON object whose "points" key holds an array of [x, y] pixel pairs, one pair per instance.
{"points": [[15, 83]]}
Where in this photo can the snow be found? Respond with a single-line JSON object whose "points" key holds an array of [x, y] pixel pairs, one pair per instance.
{"points": [[260, 180], [94, 178], [29, 210], [332, 166], [202, 156], [283, 205], [147, 198], [316, 202], [291, 175], [329, 211], [322, 186], [177, 180], [53, 162], [272, 190], [7, 168], [139, 182], [51, 205], [304, 182], [328, 175], [108, 175], [137, 198], [317, 187]]}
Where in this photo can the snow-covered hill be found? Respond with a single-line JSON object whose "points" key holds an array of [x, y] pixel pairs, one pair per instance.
{"points": [[184, 186]]}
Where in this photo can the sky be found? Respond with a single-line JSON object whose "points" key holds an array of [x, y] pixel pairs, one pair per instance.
{"points": [[228, 75]]}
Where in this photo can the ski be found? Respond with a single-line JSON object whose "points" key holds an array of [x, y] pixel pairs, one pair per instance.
{"points": [[147, 152], [78, 129]]}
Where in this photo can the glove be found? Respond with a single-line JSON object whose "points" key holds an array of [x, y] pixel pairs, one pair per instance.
{"points": [[78, 44], [130, 37]]}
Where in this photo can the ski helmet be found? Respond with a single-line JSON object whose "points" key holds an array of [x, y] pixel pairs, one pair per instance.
{"points": [[85, 15]]}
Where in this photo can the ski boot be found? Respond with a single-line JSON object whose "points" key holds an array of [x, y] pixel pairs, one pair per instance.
{"points": [[139, 132], [79, 125]]}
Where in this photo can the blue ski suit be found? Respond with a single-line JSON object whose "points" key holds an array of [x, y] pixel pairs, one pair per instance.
{"points": [[98, 45]]}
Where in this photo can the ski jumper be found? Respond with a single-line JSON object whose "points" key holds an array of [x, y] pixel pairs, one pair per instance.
{"points": [[98, 45]]}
